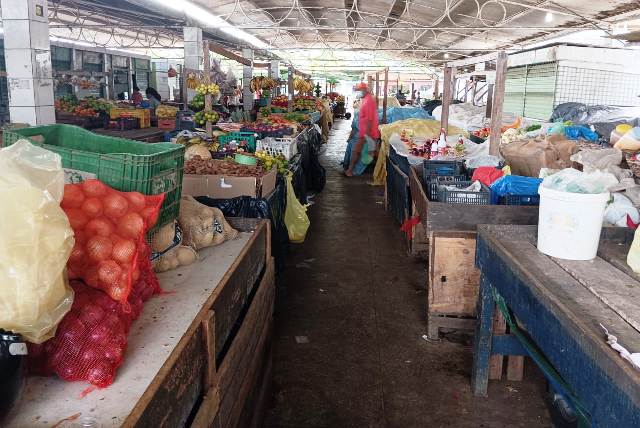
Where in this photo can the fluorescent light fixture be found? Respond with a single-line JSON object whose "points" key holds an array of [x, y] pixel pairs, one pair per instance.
{"points": [[446, 55], [548, 17], [207, 18], [75, 42]]}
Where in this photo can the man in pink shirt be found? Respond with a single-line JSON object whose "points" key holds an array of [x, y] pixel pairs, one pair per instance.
{"points": [[367, 126]]}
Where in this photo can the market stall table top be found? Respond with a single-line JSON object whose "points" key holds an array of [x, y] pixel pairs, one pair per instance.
{"points": [[146, 135], [559, 308], [159, 340]]}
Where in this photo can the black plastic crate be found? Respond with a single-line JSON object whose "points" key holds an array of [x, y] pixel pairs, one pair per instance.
{"points": [[435, 181], [525, 200], [476, 139], [482, 197], [440, 168]]}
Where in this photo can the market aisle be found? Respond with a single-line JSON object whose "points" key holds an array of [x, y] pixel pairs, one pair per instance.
{"points": [[348, 350]]}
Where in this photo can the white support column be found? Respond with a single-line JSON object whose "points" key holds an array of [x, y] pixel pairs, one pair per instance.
{"points": [[274, 73], [193, 53], [28, 58], [247, 75]]}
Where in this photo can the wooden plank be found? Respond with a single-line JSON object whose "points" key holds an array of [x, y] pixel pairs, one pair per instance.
{"points": [[244, 353], [209, 331], [497, 104], [208, 409], [446, 96], [238, 285], [258, 409], [453, 277], [496, 361], [616, 289], [515, 368], [437, 322], [220, 50]]}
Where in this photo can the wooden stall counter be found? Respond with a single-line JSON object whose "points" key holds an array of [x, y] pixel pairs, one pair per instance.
{"points": [[199, 355]]}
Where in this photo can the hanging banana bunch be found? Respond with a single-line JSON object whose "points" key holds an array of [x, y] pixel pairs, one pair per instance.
{"points": [[256, 83], [302, 86], [192, 81]]}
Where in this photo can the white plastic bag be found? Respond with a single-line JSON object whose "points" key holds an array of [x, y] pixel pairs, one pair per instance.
{"points": [[574, 181], [36, 242], [617, 211]]}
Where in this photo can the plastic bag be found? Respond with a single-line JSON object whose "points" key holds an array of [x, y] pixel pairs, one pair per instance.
{"points": [[295, 216], [482, 160], [574, 181], [92, 338], [514, 185], [630, 140], [633, 257], [110, 227], [580, 132], [36, 242], [203, 226], [617, 211], [601, 159], [487, 175]]}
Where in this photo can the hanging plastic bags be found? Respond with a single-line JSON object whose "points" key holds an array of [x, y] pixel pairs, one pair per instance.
{"points": [[36, 242], [295, 215]]}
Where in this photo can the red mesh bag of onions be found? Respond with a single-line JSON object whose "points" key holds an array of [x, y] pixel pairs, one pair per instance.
{"points": [[91, 339], [109, 227]]}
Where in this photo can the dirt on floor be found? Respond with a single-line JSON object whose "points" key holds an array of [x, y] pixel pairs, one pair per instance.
{"points": [[349, 324]]}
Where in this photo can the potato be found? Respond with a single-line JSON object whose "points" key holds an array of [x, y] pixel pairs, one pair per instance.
{"points": [[186, 255]]}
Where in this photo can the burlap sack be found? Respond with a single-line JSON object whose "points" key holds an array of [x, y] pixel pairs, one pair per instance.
{"points": [[526, 157]]}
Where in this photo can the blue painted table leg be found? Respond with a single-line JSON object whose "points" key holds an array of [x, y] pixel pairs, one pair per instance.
{"points": [[482, 340]]}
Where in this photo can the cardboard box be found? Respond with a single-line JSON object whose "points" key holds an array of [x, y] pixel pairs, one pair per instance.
{"points": [[227, 187], [142, 114]]}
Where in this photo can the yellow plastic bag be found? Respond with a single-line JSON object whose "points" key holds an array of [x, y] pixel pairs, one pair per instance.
{"points": [[295, 215], [633, 257], [36, 242]]}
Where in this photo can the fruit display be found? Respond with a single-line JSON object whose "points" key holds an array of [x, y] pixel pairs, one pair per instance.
{"points": [[208, 89], [84, 111], [302, 86], [281, 101], [166, 112], [296, 117], [193, 81], [259, 83], [197, 165], [66, 103], [197, 140], [204, 116], [340, 99], [305, 103], [197, 103], [482, 133], [268, 129], [269, 162]]}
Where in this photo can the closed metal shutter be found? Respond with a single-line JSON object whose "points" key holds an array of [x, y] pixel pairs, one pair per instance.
{"points": [[514, 90], [540, 90]]}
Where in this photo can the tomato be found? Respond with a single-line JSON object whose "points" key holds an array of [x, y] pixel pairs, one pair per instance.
{"points": [[115, 205], [73, 196], [137, 201], [109, 273], [92, 207], [94, 188], [131, 226], [99, 248], [99, 227], [77, 218], [124, 250]]}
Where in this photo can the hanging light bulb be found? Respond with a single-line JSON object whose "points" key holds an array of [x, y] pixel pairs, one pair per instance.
{"points": [[548, 17]]}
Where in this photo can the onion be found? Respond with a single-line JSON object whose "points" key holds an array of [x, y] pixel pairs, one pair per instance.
{"points": [[124, 250], [101, 375], [99, 248], [90, 277], [131, 226], [113, 353], [109, 273], [77, 254], [100, 227], [100, 334], [73, 196], [137, 201], [91, 314], [115, 205], [92, 207], [93, 188], [150, 215]]}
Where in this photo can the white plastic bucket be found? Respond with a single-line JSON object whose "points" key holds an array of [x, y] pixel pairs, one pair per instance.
{"points": [[569, 224]]}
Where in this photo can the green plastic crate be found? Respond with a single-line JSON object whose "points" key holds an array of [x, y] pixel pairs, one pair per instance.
{"points": [[249, 137], [123, 164]]}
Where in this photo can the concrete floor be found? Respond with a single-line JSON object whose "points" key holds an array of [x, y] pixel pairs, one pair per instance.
{"points": [[350, 314]]}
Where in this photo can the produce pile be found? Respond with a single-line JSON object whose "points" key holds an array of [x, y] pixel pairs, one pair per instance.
{"points": [[166, 112], [302, 86], [296, 117], [340, 99], [197, 103], [208, 89], [204, 116], [259, 83], [268, 128], [482, 133], [269, 162], [305, 103], [67, 103], [281, 101], [197, 165], [109, 228]]}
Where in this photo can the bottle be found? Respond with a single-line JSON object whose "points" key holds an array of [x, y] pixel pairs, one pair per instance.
{"points": [[434, 149], [442, 142]]}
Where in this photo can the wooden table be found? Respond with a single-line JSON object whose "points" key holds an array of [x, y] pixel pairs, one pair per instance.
{"points": [[561, 305], [199, 353], [146, 135]]}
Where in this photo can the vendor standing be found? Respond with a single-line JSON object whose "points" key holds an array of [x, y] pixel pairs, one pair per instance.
{"points": [[368, 131], [155, 100]]}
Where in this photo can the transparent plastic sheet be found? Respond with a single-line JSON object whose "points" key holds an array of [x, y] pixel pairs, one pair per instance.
{"points": [[295, 216], [618, 209], [574, 181], [36, 242]]}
